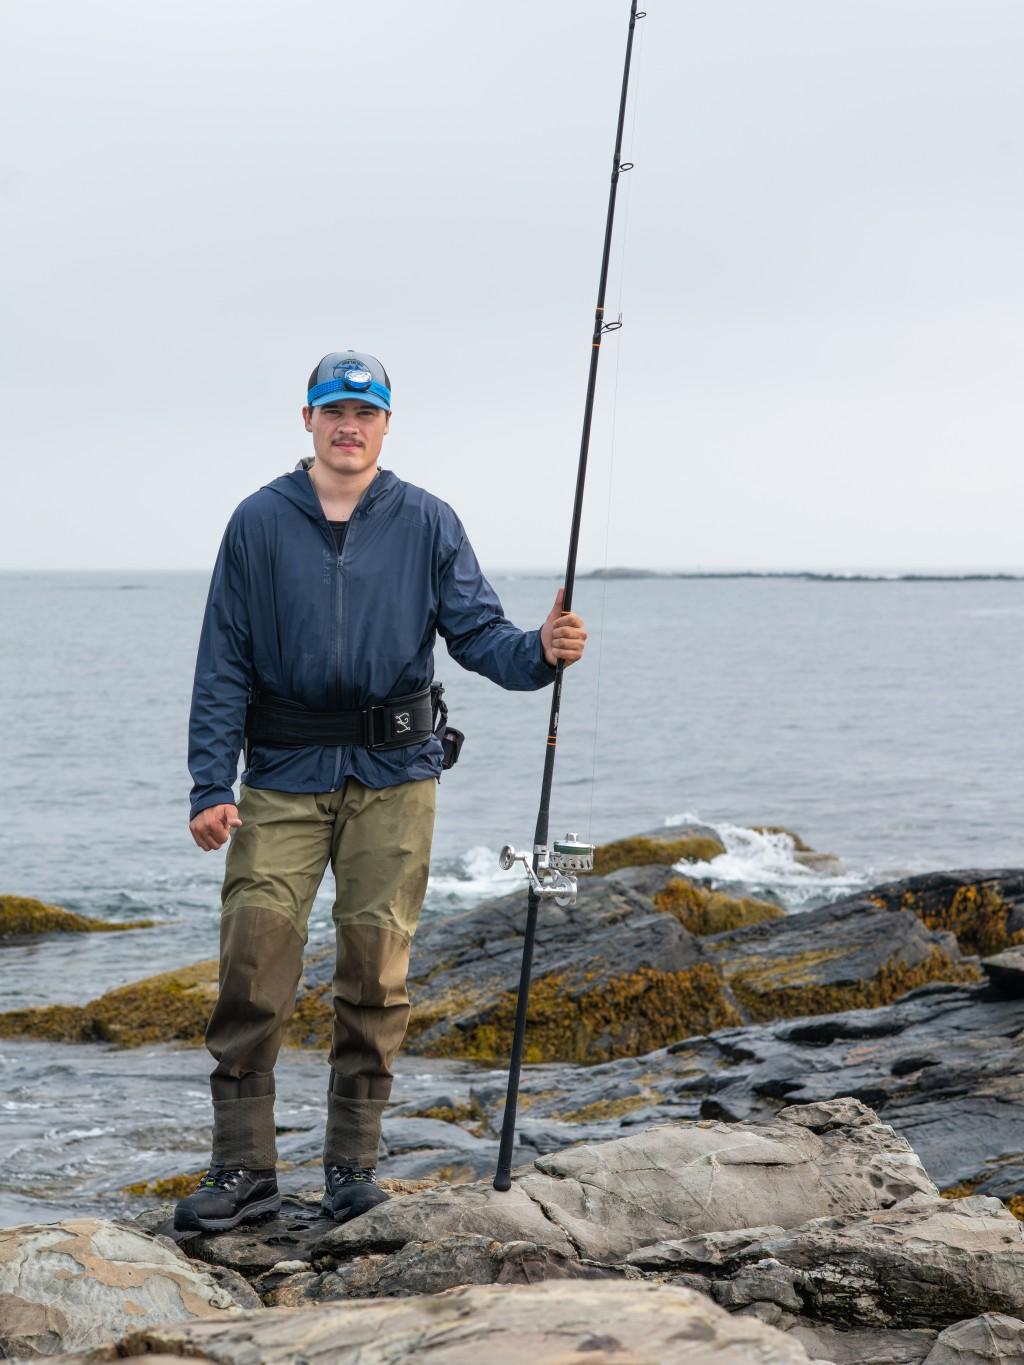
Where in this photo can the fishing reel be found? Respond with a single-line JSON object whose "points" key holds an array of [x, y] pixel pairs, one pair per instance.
{"points": [[555, 876]]}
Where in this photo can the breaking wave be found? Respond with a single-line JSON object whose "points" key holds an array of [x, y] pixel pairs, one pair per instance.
{"points": [[756, 861]]}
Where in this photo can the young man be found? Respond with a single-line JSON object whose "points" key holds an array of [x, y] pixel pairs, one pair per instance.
{"points": [[317, 647]]}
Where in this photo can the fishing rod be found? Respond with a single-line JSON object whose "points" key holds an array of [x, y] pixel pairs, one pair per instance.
{"points": [[552, 872]]}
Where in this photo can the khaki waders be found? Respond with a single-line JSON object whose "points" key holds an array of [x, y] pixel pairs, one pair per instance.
{"points": [[378, 845]]}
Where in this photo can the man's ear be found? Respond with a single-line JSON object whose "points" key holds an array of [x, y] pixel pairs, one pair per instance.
{"points": [[307, 418], [387, 424]]}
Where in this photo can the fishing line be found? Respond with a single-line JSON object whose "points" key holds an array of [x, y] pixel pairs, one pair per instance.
{"points": [[638, 86]]}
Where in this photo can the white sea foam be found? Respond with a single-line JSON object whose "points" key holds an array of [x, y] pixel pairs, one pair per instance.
{"points": [[756, 861], [469, 878]]}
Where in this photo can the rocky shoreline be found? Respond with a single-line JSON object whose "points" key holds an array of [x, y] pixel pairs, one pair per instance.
{"points": [[795, 1137]]}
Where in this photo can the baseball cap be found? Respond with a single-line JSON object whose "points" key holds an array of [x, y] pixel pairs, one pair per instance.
{"points": [[349, 374]]}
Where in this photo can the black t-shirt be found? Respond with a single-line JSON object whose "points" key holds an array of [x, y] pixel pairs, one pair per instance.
{"points": [[338, 529]]}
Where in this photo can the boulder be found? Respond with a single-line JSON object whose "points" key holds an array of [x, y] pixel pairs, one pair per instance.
{"points": [[848, 955], [922, 1264], [504, 1324], [72, 1285], [602, 1201], [993, 1337]]}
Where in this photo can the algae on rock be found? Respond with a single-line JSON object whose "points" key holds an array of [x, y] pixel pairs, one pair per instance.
{"points": [[170, 1007], [640, 850], [23, 915], [711, 912]]}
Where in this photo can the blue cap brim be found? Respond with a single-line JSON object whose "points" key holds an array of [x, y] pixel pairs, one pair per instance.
{"points": [[366, 398]]}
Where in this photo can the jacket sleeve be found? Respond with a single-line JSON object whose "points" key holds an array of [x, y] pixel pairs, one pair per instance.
{"points": [[478, 635], [224, 671]]}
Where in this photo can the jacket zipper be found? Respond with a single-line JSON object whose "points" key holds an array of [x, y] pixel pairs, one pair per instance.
{"points": [[340, 613], [339, 617]]}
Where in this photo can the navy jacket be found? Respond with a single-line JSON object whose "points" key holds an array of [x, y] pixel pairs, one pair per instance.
{"points": [[289, 614]]}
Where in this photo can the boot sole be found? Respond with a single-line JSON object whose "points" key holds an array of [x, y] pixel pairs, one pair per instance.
{"points": [[186, 1220], [345, 1215]]}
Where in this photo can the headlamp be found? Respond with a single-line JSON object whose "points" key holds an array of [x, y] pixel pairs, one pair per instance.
{"points": [[356, 377]]}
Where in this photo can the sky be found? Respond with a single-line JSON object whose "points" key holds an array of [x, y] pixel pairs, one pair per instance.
{"points": [[818, 260]]}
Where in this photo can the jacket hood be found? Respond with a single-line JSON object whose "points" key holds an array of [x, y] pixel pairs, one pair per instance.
{"points": [[298, 488]]}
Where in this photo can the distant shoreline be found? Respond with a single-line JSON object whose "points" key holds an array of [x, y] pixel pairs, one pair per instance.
{"points": [[808, 576]]}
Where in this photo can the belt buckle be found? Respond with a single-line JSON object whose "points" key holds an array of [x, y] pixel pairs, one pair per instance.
{"points": [[370, 740]]}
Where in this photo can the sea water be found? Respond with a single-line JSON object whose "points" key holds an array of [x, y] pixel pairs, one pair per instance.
{"points": [[882, 721]]}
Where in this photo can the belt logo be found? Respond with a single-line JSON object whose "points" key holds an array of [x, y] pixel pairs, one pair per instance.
{"points": [[403, 722]]}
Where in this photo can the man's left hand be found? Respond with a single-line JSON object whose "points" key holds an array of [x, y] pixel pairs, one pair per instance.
{"points": [[562, 635]]}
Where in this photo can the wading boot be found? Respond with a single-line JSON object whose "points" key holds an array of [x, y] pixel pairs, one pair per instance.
{"points": [[225, 1198], [350, 1191]]}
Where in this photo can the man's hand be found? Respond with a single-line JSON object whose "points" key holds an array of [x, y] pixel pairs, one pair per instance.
{"points": [[211, 827], [562, 635]]}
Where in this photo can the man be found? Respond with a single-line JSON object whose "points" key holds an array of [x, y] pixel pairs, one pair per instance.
{"points": [[317, 647]]}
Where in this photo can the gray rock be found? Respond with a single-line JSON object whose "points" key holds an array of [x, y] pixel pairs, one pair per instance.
{"points": [[859, 1346], [980, 1341], [923, 1263], [702, 1252], [429, 1267], [1005, 970], [605, 1200], [504, 1324], [73, 1285]]}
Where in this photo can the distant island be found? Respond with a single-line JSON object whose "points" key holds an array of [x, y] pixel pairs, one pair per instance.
{"points": [[807, 576]]}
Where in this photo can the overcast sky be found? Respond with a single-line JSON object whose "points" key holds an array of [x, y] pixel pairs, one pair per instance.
{"points": [[824, 274]]}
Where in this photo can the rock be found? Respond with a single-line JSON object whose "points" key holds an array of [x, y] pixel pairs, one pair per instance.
{"points": [[982, 909], [429, 1267], [844, 956], [504, 1324], [978, 1341], [602, 1201], [620, 973], [614, 977], [170, 1006], [73, 1285], [1005, 970], [944, 1066], [859, 1346], [924, 1263], [252, 1248], [23, 917], [690, 844]]}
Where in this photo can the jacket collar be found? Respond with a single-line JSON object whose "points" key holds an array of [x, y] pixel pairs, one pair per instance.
{"points": [[298, 489]]}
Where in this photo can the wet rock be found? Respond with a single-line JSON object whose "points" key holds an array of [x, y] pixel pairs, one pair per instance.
{"points": [[24, 917], [993, 1337], [1005, 970], [944, 1066], [172, 1006], [844, 956], [983, 909], [603, 1201], [71, 1285], [504, 1324]]}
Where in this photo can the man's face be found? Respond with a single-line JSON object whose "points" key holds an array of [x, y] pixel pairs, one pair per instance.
{"points": [[347, 435]]}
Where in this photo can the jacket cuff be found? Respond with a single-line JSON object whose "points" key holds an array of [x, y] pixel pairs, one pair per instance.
{"points": [[217, 796], [542, 673]]}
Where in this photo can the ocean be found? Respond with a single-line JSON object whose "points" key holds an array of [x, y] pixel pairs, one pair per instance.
{"points": [[882, 721]]}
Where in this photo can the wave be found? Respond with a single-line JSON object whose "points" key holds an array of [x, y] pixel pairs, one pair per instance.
{"points": [[770, 863], [468, 878]]}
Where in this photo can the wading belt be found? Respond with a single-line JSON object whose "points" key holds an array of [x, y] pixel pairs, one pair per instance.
{"points": [[385, 725]]}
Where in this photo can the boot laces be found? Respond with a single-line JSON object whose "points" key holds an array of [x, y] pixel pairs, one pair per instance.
{"points": [[220, 1179], [351, 1175]]}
